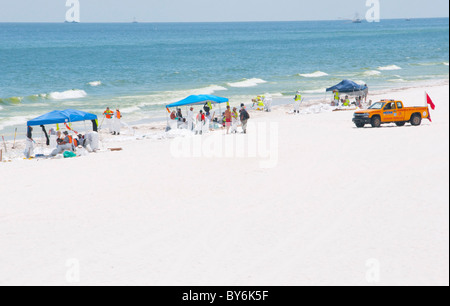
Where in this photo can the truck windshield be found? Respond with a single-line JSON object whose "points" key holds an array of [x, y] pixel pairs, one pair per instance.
{"points": [[378, 105]]}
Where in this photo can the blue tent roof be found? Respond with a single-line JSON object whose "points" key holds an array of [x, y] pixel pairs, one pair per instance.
{"points": [[201, 99], [347, 86], [68, 115]]}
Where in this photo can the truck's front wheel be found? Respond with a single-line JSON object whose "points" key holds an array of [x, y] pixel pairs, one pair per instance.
{"points": [[416, 120], [376, 122], [359, 125]]}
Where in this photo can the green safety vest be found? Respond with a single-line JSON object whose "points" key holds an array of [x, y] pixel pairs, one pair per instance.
{"points": [[336, 96], [298, 97]]}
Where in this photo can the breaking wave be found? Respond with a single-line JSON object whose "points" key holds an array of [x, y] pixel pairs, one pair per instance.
{"points": [[313, 91], [390, 67], [69, 94], [317, 74], [372, 73], [247, 83], [95, 83]]}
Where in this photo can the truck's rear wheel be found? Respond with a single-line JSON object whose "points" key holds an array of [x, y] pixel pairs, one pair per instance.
{"points": [[376, 122], [416, 120], [400, 123], [359, 125]]}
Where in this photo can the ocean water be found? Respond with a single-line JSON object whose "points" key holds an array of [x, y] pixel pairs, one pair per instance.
{"points": [[142, 67]]}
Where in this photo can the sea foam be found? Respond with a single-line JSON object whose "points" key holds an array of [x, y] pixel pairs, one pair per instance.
{"points": [[313, 91], [247, 83], [208, 90], [372, 73], [390, 67], [69, 94], [95, 83], [317, 74]]}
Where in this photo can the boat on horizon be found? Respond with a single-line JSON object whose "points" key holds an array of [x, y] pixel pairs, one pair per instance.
{"points": [[356, 19]]}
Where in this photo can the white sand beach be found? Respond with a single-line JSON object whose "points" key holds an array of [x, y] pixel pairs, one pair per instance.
{"points": [[322, 203]]}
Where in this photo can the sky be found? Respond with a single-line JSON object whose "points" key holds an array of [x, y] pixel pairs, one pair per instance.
{"points": [[215, 10]]}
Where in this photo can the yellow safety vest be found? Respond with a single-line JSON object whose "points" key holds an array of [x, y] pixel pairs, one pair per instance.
{"points": [[298, 97], [336, 96]]}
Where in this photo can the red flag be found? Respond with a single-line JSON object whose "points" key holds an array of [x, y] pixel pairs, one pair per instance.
{"points": [[430, 102], [429, 115]]}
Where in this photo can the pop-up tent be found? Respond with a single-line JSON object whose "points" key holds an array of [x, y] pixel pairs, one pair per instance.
{"points": [[196, 100], [350, 87], [65, 116]]}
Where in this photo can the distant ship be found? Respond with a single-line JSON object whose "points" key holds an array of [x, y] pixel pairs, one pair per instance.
{"points": [[135, 20], [71, 21], [408, 19], [356, 19]]}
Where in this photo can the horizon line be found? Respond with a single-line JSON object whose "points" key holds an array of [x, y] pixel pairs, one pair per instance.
{"points": [[242, 21]]}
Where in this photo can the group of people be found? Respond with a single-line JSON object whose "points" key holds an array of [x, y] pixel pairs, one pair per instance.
{"points": [[61, 142], [338, 101], [263, 103], [206, 119], [113, 120]]}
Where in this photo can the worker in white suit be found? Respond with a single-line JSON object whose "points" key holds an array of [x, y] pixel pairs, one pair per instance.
{"points": [[190, 119], [298, 100], [29, 148], [234, 120], [117, 122], [268, 102]]}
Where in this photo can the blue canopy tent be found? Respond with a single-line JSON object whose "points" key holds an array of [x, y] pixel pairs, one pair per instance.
{"points": [[65, 116], [196, 100], [350, 87]]}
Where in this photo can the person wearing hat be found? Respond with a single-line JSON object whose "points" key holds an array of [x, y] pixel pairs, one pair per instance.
{"points": [[337, 97], [298, 100]]}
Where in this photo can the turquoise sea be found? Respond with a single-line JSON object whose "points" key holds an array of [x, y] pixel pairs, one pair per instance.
{"points": [[141, 67]]}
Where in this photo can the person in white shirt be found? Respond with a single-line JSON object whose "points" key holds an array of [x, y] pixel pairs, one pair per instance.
{"points": [[190, 119]]}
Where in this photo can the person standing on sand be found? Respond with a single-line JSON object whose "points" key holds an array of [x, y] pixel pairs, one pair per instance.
{"points": [[190, 119], [228, 117], [235, 120], [298, 101], [200, 123], [29, 148], [117, 122], [337, 97], [244, 117], [366, 93], [109, 114]]}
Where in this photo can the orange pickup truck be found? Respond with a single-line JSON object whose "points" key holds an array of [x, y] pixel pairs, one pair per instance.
{"points": [[390, 111]]}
